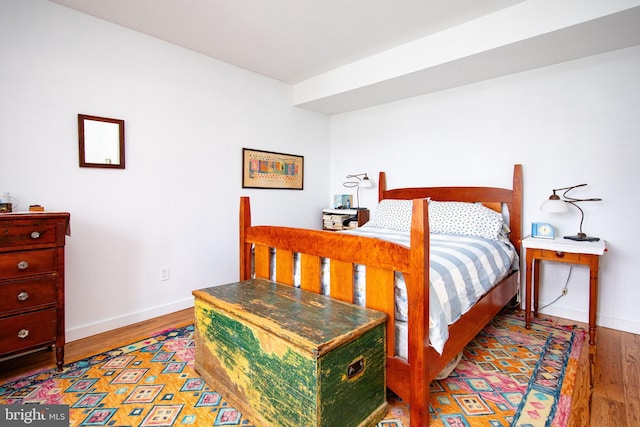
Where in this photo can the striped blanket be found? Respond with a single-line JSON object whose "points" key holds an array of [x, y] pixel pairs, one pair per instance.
{"points": [[462, 269]]}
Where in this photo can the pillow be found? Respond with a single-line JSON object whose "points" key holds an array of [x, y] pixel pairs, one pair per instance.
{"points": [[468, 219], [392, 214]]}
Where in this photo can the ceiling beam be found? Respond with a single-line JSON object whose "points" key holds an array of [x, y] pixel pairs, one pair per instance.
{"points": [[525, 36]]}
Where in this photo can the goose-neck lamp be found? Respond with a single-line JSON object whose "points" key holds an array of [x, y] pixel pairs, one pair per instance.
{"points": [[558, 204], [363, 182]]}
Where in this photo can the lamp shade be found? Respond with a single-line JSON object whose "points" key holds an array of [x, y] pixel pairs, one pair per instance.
{"points": [[554, 205]]}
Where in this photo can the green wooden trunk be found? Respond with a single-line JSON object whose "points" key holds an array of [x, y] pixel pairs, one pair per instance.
{"points": [[287, 357]]}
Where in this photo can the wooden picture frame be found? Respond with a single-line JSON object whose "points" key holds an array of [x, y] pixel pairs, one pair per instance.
{"points": [[101, 142], [269, 169]]}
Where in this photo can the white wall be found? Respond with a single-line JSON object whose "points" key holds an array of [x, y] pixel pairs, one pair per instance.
{"points": [[576, 122], [187, 118]]}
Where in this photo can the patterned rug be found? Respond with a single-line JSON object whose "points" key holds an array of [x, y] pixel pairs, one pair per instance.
{"points": [[508, 376]]}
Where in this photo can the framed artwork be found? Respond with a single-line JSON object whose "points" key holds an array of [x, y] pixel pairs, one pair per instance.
{"points": [[267, 169]]}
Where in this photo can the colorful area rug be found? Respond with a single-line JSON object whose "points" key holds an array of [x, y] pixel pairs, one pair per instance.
{"points": [[508, 376]]}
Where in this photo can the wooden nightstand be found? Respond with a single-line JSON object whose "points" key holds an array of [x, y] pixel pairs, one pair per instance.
{"points": [[344, 219], [567, 251]]}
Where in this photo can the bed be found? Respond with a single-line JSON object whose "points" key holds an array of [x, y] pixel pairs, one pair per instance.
{"points": [[298, 257]]}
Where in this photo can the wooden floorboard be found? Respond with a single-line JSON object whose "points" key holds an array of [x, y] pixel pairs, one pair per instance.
{"points": [[631, 378], [608, 375], [608, 413], [607, 387], [581, 407]]}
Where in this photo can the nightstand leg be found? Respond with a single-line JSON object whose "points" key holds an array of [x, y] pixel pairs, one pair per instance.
{"points": [[527, 291], [536, 286], [593, 297]]}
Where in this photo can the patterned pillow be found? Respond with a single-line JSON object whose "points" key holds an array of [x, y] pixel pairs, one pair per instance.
{"points": [[393, 215], [468, 219]]}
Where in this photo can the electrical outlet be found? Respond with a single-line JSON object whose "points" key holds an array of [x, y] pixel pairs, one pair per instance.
{"points": [[164, 273]]}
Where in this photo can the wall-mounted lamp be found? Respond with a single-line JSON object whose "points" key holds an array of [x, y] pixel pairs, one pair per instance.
{"points": [[363, 182], [557, 204]]}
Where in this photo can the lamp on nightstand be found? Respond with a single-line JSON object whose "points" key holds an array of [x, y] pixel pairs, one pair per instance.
{"points": [[557, 204], [363, 182]]}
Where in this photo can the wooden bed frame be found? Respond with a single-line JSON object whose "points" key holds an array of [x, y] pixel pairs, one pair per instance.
{"points": [[410, 378]]}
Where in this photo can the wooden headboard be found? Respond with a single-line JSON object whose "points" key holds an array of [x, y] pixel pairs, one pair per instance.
{"points": [[491, 197]]}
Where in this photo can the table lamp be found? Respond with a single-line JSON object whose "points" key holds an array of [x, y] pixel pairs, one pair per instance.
{"points": [[363, 182], [557, 204]]}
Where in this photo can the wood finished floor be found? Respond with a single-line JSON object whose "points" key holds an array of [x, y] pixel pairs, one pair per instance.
{"points": [[607, 390]]}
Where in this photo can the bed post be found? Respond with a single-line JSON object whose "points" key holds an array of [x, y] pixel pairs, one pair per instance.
{"points": [[515, 214], [245, 248], [382, 185], [418, 293]]}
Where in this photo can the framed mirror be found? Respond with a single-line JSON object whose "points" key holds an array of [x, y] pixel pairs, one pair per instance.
{"points": [[101, 142]]}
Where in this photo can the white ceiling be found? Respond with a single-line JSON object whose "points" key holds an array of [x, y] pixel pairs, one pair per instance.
{"points": [[341, 55], [288, 40]]}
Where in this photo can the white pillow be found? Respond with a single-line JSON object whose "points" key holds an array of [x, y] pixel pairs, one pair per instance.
{"points": [[392, 214], [468, 219]]}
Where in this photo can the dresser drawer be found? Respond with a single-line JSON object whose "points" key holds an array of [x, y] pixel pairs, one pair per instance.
{"points": [[23, 233], [27, 330], [26, 263], [26, 294]]}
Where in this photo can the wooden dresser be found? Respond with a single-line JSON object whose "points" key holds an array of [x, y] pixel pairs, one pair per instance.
{"points": [[32, 282]]}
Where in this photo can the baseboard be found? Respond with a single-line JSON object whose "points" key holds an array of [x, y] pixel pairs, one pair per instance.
{"points": [[601, 321], [87, 330]]}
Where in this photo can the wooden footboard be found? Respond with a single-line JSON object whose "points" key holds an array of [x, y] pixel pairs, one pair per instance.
{"points": [[381, 259], [408, 378]]}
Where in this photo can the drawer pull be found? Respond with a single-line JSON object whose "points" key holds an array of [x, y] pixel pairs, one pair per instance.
{"points": [[23, 265], [23, 296], [23, 333], [35, 235], [560, 254]]}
